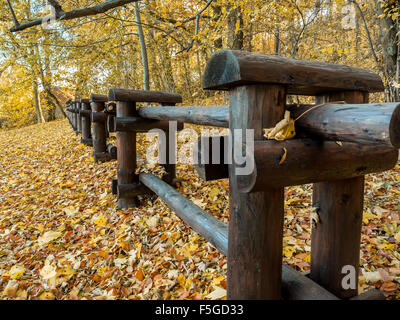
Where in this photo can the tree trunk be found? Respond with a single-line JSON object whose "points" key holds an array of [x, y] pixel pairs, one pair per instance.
{"points": [[235, 37], [277, 42], [146, 83], [388, 29], [39, 113], [217, 15]]}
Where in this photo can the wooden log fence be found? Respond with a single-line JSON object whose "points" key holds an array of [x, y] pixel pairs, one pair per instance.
{"points": [[89, 117], [337, 145], [126, 101]]}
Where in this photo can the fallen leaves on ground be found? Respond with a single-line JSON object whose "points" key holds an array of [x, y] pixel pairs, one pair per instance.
{"points": [[61, 236]]}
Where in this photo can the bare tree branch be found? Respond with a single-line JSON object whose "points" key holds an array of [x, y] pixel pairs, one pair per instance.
{"points": [[371, 45], [13, 13], [166, 24], [196, 32], [78, 13]]}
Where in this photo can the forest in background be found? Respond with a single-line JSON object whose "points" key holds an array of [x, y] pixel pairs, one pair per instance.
{"points": [[41, 68]]}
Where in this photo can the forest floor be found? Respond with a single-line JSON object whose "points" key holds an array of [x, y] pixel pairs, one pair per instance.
{"points": [[61, 236]]}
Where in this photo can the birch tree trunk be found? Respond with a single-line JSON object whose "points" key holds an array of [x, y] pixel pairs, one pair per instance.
{"points": [[39, 113], [146, 82]]}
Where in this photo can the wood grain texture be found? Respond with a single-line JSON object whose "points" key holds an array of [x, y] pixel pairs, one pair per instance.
{"points": [[229, 68], [296, 286], [336, 237], [98, 97], [203, 223], [211, 165], [335, 241], [373, 294], [376, 123], [208, 116], [86, 122], [138, 124], [128, 95], [78, 118], [100, 117], [171, 152], [126, 154], [99, 132], [256, 219], [132, 190], [307, 161]]}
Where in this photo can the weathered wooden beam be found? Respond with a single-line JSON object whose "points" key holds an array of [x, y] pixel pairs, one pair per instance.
{"points": [[309, 161], [128, 95], [94, 97], [230, 68], [138, 124], [98, 117], [373, 294], [336, 237], [102, 157], [79, 119], [306, 161], [87, 141], [377, 123], [100, 153], [84, 114], [206, 225], [256, 219], [132, 190], [208, 116], [294, 285], [211, 157], [76, 116], [126, 154]]}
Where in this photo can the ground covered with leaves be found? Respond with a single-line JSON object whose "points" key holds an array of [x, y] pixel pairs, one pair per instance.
{"points": [[61, 236]]}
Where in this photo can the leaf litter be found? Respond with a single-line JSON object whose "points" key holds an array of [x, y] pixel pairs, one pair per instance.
{"points": [[61, 236]]}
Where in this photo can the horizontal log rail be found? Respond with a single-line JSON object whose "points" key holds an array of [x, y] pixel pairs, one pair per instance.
{"points": [[138, 124], [359, 123], [128, 95], [132, 190], [227, 69], [294, 285], [98, 97], [209, 227], [207, 116], [306, 161], [376, 123], [85, 113]]}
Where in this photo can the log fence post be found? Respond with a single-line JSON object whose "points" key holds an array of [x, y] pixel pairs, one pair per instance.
{"points": [[336, 238], [102, 151], [126, 155], [86, 122], [79, 118], [126, 140], [254, 250], [76, 110]]}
